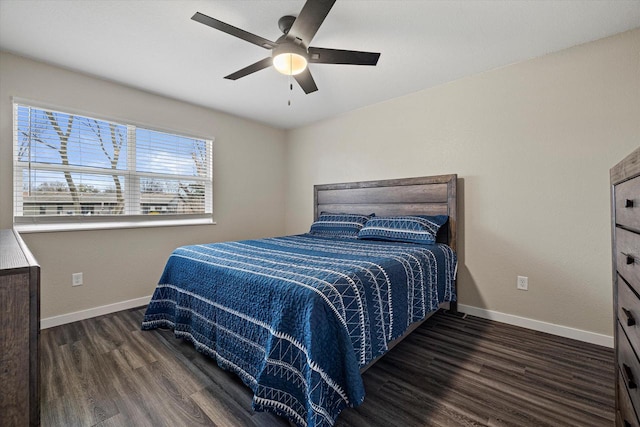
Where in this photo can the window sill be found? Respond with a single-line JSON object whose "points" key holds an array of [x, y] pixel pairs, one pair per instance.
{"points": [[108, 225]]}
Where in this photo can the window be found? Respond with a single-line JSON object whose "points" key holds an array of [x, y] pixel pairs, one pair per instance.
{"points": [[70, 169]]}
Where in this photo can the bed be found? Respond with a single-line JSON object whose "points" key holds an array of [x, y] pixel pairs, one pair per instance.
{"points": [[299, 318]]}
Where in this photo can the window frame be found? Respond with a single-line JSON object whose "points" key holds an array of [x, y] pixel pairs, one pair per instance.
{"points": [[132, 218]]}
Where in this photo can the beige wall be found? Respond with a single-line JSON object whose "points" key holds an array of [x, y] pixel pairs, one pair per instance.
{"points": [[118, 265], [532, 144]]}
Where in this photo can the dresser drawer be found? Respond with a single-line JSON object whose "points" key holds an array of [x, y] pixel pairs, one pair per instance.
{"points": [[628, 203], [628, 256], [629, 313], [628, 367], [626, 414]]}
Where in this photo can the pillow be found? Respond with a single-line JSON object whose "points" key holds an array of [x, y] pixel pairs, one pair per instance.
{"points": [[413, 229], [339, 224]]}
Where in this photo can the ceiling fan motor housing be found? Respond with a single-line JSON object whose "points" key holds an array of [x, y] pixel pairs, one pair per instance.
{"points": [[290, 47]]}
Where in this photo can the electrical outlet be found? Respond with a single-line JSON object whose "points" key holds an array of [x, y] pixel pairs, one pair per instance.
{"points": [[523, 283], [76, 279]]}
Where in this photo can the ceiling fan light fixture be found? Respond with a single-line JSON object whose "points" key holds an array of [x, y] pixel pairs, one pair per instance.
{"points": [[290, 59], [290, 64]]}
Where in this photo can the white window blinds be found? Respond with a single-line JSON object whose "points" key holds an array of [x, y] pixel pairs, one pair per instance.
{"points": [[70, 168]]}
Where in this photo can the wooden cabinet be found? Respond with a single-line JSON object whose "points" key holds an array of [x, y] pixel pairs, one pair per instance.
{"points": [[625, 232], [19, 333]]}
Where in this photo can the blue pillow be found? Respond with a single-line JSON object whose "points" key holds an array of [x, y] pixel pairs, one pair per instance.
{"points": [[413, 229], [339, 224]]}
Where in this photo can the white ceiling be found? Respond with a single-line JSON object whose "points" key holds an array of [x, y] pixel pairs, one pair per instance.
{"points": [[155, 46]]}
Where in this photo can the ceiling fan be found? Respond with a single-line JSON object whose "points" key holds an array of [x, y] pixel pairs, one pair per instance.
{"points": [[291, 53]]}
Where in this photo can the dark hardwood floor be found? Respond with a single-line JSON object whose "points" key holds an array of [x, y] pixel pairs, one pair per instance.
{"points": [[450, 372]]}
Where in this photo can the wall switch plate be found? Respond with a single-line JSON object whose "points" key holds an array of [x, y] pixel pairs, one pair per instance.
{"points": [[523, 283], [76, 279]]}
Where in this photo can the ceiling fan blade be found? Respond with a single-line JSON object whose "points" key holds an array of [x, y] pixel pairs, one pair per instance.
{"points": [[320, 55], [234, 31], [309, 20], [306, 82], [262, 64]]}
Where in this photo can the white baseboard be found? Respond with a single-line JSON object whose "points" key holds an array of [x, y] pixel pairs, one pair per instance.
{"points": [[50, 322], [537, 325]]}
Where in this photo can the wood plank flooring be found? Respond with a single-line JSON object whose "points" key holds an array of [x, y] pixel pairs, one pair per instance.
{"points": [[105, 371]]}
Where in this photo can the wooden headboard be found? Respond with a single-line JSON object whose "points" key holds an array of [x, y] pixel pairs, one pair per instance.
{"points": [[427, 195]]}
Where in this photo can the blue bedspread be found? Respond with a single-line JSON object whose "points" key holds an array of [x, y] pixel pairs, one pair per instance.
{"points": [[296, 317]]}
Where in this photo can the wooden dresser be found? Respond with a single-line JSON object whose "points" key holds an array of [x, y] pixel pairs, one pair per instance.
{"points": [[19, 333], [625, 204]]}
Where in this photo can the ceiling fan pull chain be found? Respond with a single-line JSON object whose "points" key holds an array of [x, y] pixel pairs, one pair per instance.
{"points": [[290, 91]]}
